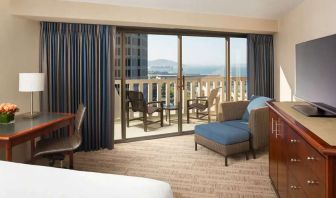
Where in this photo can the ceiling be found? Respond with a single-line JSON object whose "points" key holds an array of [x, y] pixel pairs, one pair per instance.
{"points": [[266, 9]]}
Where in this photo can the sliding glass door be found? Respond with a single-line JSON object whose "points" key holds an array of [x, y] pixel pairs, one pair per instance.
{"points": [[204, 71], [179, 79], [238, 69], [146, 80]]}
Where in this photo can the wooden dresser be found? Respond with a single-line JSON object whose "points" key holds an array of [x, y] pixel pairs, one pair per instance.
{"points": [[302, 153]]}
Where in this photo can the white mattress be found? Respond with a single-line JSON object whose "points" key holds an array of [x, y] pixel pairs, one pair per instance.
{"points": [[22, 180]]}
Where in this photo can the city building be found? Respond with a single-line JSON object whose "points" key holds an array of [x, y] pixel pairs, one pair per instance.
{"points": [[136, 56]]}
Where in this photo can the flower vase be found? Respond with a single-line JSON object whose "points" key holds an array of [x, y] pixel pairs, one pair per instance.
{"points": [[6, 118]]}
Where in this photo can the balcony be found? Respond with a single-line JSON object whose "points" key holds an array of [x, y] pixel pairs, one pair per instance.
{"points": [[167, 85]]}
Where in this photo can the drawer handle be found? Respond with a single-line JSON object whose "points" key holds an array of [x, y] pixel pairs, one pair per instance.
{"points": [[311, 158], [272, 126], [312, 182], [293, 141], [294, 160], [293, 187]]}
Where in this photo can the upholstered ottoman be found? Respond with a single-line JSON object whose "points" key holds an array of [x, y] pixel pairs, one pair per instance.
{"points": [[242, 127], [226, 138]]}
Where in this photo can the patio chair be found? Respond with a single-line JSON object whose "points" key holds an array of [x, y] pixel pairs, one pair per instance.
{"points": [[203, 105], [136, 102]]}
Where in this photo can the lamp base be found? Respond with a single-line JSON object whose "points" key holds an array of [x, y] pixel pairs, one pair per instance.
{"points": [[31, 115]]}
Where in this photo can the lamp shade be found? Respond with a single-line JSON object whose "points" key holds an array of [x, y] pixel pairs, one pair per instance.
{"points": [[31, 82]]}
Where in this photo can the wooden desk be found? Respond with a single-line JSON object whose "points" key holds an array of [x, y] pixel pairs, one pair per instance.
{"points": [[24, 129]]}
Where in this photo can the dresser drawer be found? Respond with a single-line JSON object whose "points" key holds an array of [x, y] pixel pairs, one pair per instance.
{"points": [[301, 154], [295, 190], [315, 161], [306, 164]]}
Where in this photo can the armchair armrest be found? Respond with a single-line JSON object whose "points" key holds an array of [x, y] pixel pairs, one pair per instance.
{"points": [[198, 99], [259, 126], [156, 102], [191, 100], [202, 100], [232, 110]]}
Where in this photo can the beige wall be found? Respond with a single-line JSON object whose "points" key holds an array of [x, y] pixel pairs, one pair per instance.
{"points": [[310, 20], [18, 53], [53, 10]]}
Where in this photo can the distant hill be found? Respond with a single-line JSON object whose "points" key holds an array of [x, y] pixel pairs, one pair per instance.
{"points": [[162, 62], [169, 66], [162, 66]]}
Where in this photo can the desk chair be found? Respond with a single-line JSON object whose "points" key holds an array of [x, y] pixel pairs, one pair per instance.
{"points": [[57, 148]]}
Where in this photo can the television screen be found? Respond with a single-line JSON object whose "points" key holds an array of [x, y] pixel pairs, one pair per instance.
{"points": [[316, 71]]}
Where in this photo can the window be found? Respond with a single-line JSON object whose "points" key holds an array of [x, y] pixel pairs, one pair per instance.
{"points": [[128, 62], [128, 40], [118, 39]]}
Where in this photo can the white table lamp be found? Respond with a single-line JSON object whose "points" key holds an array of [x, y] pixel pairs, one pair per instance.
{"points": [[31, 82]]}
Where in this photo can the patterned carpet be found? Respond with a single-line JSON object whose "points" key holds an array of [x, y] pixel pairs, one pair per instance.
{"points": [[190, 173]]}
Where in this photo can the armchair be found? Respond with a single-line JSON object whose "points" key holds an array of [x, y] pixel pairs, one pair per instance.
{"points": [[136, 102], [242, 127], [257, 122]]}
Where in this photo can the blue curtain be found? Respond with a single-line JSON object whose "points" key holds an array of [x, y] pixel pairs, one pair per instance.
{"points": [[260, 65], [78, 62]]}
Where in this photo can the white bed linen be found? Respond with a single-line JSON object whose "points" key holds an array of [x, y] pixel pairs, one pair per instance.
{"points": [[22, 180]]}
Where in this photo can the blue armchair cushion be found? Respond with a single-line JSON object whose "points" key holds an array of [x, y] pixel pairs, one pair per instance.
{"points": [[226, 133], [255, 102]]}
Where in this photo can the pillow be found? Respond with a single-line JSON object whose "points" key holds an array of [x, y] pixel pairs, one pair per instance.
{"points": [[246, 113], [255, 102]]}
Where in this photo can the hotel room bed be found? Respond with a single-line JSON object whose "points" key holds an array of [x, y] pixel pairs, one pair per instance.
{"points": [[22, 180]]}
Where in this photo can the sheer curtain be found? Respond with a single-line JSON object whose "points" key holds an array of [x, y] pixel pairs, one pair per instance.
{"points": [[78, 62]]}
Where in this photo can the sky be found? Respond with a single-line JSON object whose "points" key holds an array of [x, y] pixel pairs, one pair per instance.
{"points": [[196, 50]]}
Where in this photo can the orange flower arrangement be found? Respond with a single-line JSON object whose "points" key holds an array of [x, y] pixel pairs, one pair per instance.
{"points": [[8, 108]]}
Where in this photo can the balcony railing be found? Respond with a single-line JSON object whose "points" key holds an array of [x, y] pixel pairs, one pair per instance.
{"points": [[157, 89]]}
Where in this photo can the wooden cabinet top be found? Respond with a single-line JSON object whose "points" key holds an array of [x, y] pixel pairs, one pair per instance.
{"points": [[319, 132]]}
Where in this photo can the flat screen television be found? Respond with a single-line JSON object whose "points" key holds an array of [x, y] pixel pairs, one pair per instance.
{"points": [[316, 77]]}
